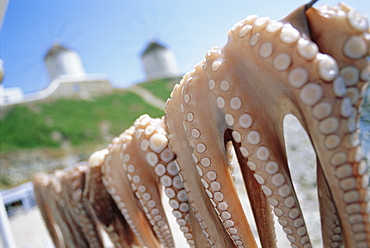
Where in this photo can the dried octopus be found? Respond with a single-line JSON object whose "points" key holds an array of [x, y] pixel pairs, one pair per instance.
{"points": [[311, 64]]}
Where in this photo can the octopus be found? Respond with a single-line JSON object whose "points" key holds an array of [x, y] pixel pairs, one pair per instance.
{"points": [[227, 112]]}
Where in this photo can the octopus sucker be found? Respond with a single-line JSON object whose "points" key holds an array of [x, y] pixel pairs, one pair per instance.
{"points": [[226, 112]]}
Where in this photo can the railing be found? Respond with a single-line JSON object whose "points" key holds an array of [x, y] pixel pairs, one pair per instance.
{"points": [[23, 194], [5, 230]]}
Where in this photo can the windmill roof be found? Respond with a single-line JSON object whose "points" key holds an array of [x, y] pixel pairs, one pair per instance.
{"points": [[56, 48], [153, 45]]}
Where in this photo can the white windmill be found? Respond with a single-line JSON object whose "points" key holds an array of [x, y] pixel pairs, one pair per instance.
{"points": [[61, 61], [159, 61]]}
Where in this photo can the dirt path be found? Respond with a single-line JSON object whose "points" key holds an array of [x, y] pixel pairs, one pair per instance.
{"points": [[147, 96]]}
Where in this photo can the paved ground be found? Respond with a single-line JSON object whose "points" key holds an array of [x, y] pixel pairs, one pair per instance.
{"points": [[29, 230]]}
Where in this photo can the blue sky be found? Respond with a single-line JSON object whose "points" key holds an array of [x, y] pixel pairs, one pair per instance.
{"points": [[110, 35]]}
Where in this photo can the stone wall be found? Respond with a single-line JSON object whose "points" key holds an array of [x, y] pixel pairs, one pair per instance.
{"points": [[81, 89], [19, 167], [67, 86]]}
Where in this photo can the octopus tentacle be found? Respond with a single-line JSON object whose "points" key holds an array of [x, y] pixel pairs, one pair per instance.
{"points": [[352, 44], [40, 184], [73, 184], [261, 209], [151, 138], [261, 143], [345, 168], [219, 188], [72, 235], [118, 186], [140, 156], [330, 225], [208, 220], [103, 206]]}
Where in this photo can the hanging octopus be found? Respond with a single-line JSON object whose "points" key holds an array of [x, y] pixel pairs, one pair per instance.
{"points": [[312, 64]]}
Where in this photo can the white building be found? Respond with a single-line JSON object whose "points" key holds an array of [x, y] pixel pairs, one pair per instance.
{"points": [[62, 61], [8, 95], [159, 62]]}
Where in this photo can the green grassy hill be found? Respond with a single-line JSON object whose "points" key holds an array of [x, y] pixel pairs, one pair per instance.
{"points": [[76, 121]]}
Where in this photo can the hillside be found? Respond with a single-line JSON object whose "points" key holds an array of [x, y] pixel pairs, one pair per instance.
{"points": [[76, 122], [47, 135]]}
